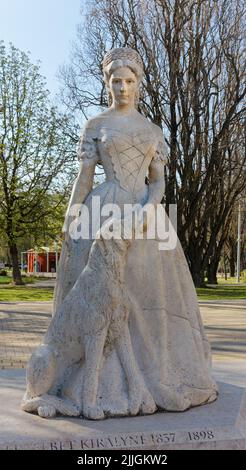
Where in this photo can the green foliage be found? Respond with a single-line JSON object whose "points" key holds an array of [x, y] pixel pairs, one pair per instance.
{"points": [[37, 154], [37, 151]]}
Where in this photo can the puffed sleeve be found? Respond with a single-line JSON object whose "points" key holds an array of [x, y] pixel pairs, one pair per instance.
{"points": [[88, 147], [161, 153]]}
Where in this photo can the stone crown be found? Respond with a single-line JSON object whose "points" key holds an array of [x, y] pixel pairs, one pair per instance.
{"points": [[122, 53]]}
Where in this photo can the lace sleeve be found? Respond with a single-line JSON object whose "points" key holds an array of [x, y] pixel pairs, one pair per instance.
{"points": [[161, 153], [87, 148]]}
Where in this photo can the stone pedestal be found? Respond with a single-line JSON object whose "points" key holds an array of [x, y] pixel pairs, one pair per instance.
{"points": [[219, 425]]}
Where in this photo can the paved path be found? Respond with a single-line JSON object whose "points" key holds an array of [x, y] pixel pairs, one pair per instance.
{"points": [[23, 324], [46, 283], [225, 326]]}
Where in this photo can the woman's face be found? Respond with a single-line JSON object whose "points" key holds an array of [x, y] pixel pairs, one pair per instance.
{"points": [[123, 85]]}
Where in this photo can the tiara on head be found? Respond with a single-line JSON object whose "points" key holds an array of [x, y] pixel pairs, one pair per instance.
{"points": [[122, 53]]}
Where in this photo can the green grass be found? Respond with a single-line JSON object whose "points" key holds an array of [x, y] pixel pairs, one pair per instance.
{"points": [[10, 293], [26, 279], [5, 279], [220, 292], [229, 280], [22, 293]]}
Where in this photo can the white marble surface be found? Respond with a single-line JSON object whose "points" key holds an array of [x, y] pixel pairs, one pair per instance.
{"points": [[219, 425]]}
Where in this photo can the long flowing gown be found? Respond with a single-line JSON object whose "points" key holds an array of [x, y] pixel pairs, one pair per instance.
{"points": [[167, 334]]}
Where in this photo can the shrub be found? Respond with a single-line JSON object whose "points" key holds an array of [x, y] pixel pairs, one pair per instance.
{"points": [[3, 272], [243, 275]]}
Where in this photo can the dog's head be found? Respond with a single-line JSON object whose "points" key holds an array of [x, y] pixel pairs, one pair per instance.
{"points": [[110, 236], [121, 244], [117, 246]]}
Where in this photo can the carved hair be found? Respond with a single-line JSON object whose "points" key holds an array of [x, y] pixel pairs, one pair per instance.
{"points": [[122, 57]]}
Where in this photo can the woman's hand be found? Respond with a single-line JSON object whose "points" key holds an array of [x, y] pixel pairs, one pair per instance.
{"points": [[143, 220], [144, 217]]}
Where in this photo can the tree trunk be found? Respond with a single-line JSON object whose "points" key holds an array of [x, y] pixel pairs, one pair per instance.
{"points": [[197, 275], [232, 264], [212, 272], [225, 267], [17, 279]]}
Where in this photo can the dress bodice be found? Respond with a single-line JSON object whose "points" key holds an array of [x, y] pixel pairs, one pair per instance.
{"points": [[125, 154], [126, 157]]}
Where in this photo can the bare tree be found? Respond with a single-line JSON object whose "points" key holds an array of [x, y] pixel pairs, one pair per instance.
{"points": [[232, 238], [194, 88]]}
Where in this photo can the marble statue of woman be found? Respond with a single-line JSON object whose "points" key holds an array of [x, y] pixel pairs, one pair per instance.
{"points": [[168, 349]]}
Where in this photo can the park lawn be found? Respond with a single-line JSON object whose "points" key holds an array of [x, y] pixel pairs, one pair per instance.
{"points": [[26, 279], [230, 280], [24, 293], [10, 293], [225, 292], [5, 279]]}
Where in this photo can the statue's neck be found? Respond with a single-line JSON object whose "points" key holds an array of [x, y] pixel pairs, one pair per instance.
{"points": [[122, 111]]}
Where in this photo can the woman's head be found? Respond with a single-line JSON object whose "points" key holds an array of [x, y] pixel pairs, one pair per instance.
{"points": [[123, 70]]}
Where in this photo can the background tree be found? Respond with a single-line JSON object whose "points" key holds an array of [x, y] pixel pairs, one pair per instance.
{"points": [[47, 230], [37, 151], [194, 88], [232, 239]]}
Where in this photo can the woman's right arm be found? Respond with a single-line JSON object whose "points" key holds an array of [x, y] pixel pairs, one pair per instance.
{"points": [[88, 156], [81, 188]]}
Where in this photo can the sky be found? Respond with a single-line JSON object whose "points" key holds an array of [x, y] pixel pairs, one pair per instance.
{"points": [[46, 28]]}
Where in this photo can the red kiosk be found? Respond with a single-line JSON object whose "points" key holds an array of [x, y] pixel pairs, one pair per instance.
{"points": [[40, 261]]}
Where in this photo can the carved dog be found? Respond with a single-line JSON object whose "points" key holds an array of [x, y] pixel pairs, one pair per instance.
{"points": [[93, 315]]}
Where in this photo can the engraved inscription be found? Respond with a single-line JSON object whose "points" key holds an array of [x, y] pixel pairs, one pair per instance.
{"points": [[124, 441], [201, 435], [163, 438], [115, 441]]}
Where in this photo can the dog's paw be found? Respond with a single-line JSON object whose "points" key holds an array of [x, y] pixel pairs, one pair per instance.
{"points": [[93, 412], [46, 411], [141, 402]]}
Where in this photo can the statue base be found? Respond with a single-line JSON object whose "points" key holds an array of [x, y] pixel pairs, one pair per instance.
{"points": [[219, 425]]}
